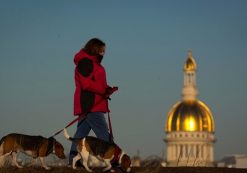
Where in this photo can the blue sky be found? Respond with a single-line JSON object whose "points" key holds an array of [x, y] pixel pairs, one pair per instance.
{"points": [[147, 43]]}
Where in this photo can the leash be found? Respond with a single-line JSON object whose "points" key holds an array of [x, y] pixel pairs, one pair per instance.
{"points": [[75, 120], [71, 123], [110, 128], [84, 114]]}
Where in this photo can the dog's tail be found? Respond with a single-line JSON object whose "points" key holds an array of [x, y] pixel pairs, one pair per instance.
{"points": [[66, 134]]}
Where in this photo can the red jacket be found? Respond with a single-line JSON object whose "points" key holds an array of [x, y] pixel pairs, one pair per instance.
{"points": [[90, 85]]}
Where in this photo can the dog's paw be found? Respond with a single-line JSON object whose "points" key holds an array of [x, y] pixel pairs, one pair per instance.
{"points": [[47, 168], [112, 170]]}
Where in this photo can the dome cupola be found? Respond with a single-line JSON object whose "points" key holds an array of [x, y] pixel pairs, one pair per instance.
{"points": [[190, 116]]}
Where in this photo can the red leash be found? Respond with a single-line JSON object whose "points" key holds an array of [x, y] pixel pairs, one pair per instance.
{"points": [[71, 123], [84, 114], [110, 128]]}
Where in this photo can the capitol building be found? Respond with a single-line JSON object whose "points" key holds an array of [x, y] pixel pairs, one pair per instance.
{"points": [[190, 125]]}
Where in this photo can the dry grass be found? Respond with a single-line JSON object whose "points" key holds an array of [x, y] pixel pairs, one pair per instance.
{"points": [[189, 170], [134, 170], [37, 169]]}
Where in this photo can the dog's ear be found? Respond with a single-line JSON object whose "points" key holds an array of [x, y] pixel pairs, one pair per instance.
{"points": [[59, 150], [58, 145], [126, 162]]}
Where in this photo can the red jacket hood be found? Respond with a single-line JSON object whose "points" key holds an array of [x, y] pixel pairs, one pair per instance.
{"points": [[82, 54]]}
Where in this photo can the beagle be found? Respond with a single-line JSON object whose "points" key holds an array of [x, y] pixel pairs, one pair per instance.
{"points": [[104, 151], [34, 146]]}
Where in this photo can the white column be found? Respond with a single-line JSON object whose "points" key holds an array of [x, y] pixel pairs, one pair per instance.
{"points": [[204, 152], [172, 152], [168, 152], [212, 153]]}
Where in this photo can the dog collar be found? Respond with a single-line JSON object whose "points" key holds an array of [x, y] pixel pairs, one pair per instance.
{"points": [[117, 156], [50, 146]]}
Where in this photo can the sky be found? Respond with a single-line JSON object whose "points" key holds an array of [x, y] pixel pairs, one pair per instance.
{"points": [[146, 46]]}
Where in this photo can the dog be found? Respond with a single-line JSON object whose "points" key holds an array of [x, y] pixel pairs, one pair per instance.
{"points": [[104, 151], [34, 146]]}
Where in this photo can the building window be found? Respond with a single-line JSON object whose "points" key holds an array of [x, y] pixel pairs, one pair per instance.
{"points": [[181, 151], [192, 150], [186, 150], [197, 151]]}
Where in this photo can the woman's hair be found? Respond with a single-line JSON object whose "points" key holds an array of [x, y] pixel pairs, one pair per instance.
{"points": [[93, 46]]}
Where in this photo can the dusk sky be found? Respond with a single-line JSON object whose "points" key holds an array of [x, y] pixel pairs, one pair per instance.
{"points": [[147, 43]]}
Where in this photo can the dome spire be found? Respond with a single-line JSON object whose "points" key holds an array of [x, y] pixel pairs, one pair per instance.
{"points": [[189, 91], [189, 53], [190, 63]]}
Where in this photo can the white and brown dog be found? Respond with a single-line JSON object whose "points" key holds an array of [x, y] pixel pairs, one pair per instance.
{"points": [[34, 146], [104, 151]]}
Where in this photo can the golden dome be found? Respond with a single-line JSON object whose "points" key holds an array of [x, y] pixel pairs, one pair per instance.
{"points": [[190, 116], [190, 64]]}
